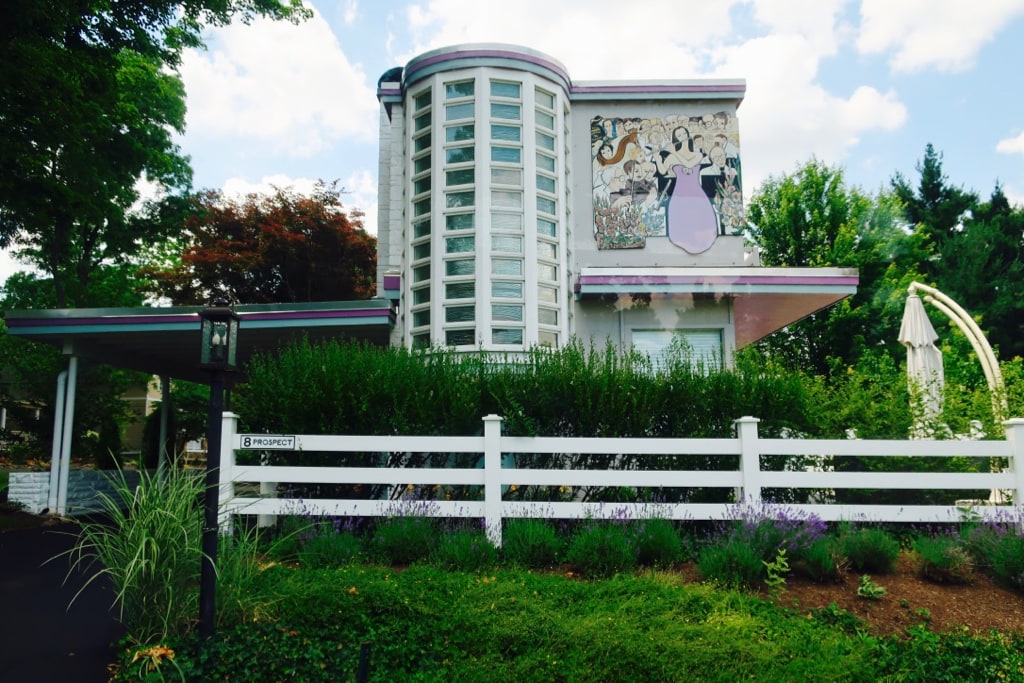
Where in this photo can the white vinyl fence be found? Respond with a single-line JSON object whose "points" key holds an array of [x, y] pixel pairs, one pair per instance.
{"points": [[499, 473]]}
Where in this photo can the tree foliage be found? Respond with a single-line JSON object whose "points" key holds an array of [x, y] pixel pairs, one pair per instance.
{"points": [[89, 101], [281, 247]]}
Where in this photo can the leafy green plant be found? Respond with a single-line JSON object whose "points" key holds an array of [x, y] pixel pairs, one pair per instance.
{"points": [[1007, 560], [530, 544], [943, 559], [467, 550], [656, 542], [870, 549], [731, 562], [601, 549], [328, 547], [820, 560], [869, 589], [148, 544], [776, 570], [403, 540]]}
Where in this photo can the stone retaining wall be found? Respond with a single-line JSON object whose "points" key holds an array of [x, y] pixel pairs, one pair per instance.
{"points": [[32, 489]]}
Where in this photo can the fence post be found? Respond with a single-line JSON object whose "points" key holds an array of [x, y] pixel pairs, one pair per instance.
{"points": [[229, 429], [268, 489], [750, 460], [492, 478], [1015, 439]]}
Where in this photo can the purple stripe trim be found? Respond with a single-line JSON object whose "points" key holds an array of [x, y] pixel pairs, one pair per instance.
{"points": [[416, 65], [392, 281], [612, 89], [300, 315], [714, 279]]}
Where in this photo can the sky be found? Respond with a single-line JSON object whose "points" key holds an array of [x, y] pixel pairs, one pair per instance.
{"points": [[863, 84]]}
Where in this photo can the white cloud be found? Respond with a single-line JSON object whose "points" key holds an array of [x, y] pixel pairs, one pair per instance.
{"points": [[942, 34], [1011, 145], [288, 88]]}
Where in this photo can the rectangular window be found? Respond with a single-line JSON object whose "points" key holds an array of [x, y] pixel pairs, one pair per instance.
{"points": [[547, 338], [458, 221], [459, 155], [421, 207], [547, 316], [546, 227], [422, 100], [455, 267], [546, 141], [507, 176], [421, 318], [422, 185], [421, 296], [458, 245], [454, 200], [545, 205], [421, 228], [421, 251], [422, 164], [463, 176], [421, 340], [545, 99], [454, 112], [507, 243], [547, 250], [545, 163], [506, 290], [505, 89], [507, 155], [547, 272], [459, 133], [545, 120], [422, 121], [504, 199], [421, 273], [700, 349], [506, 133], [501, 335], [456, 90], [460, 290], [507, 312], [459, 314], [545, 184], [421, 143], [507, 266], [547, 294], [465, 337], [505, 111], [512, 222]]}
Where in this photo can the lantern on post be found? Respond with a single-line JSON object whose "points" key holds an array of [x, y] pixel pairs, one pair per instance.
{"points": [[218, 354]]}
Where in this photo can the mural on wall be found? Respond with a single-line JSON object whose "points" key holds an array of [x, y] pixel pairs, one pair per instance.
{"points": [[676, 177]]}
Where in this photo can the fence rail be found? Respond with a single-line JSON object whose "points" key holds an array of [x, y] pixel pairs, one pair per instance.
{"points": [[499, 473]]}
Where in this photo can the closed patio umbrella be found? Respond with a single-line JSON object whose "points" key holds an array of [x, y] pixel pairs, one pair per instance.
{"points": [[924, 359]]}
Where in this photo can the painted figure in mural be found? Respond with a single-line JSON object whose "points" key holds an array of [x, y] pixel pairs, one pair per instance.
{"points": [[691, 219]]}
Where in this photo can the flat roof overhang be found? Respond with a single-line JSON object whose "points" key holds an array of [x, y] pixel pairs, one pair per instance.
{"points": [[764, 300], [165, 341]]}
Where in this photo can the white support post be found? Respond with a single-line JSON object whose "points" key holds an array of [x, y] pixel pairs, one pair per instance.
{"points": [[268, 489], [1015, 439], [65, 440], [55, 450], [492, 478], [750, 460], [229, 428]]}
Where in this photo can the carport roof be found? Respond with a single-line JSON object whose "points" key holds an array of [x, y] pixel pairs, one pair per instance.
{"points": [[165, 341]]}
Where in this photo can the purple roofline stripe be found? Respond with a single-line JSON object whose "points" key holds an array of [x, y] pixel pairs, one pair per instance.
{"points": [[483, 54], [299, 315], [714, 279], [392, 281], [589, 89]]}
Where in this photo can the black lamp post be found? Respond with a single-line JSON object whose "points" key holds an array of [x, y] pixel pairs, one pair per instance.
{"points": [[218, 354]]}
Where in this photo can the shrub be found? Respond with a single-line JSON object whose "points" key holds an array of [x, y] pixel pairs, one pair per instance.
{"points": [[731, 562], [821, 561], [870, 549], [943, 559], [1008, 560], [402, 540], [465, 550], [601, 549], [656, 543], [328, 547], [530, 544]]}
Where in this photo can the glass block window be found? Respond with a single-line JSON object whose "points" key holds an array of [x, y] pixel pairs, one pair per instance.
{"points": [[421, 228], [460, 290], [547, 272], [546, 205], [459, 221], [545, 183], [463, 176], [458, 245], [505, 111], [547, 294], [454, 200], [509, 222], [545, 99], [547, 250], [421, 143], [507, 312], [506, 89], [454, 91], [547, 338], [500, 335], [547, 316], [459, 155], [545, 141], [546, 227], [459, 314], [466, 337], [466, 266], [507, 266], [507, 176], [545, 163], [466, 131], [422, 100], [545, 120], [504, 199], [506, 133], [507, 243], [501, 289], [506, 155], [454, 112]]}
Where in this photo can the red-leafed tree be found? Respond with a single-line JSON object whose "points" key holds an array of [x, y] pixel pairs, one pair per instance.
{"points": [[269, 248]]}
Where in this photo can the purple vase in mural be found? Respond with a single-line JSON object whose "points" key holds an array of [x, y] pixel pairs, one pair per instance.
{"points": [[692, 222]]}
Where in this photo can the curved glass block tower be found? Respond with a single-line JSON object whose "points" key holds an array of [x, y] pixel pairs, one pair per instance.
{"points": [[518, 209]]}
